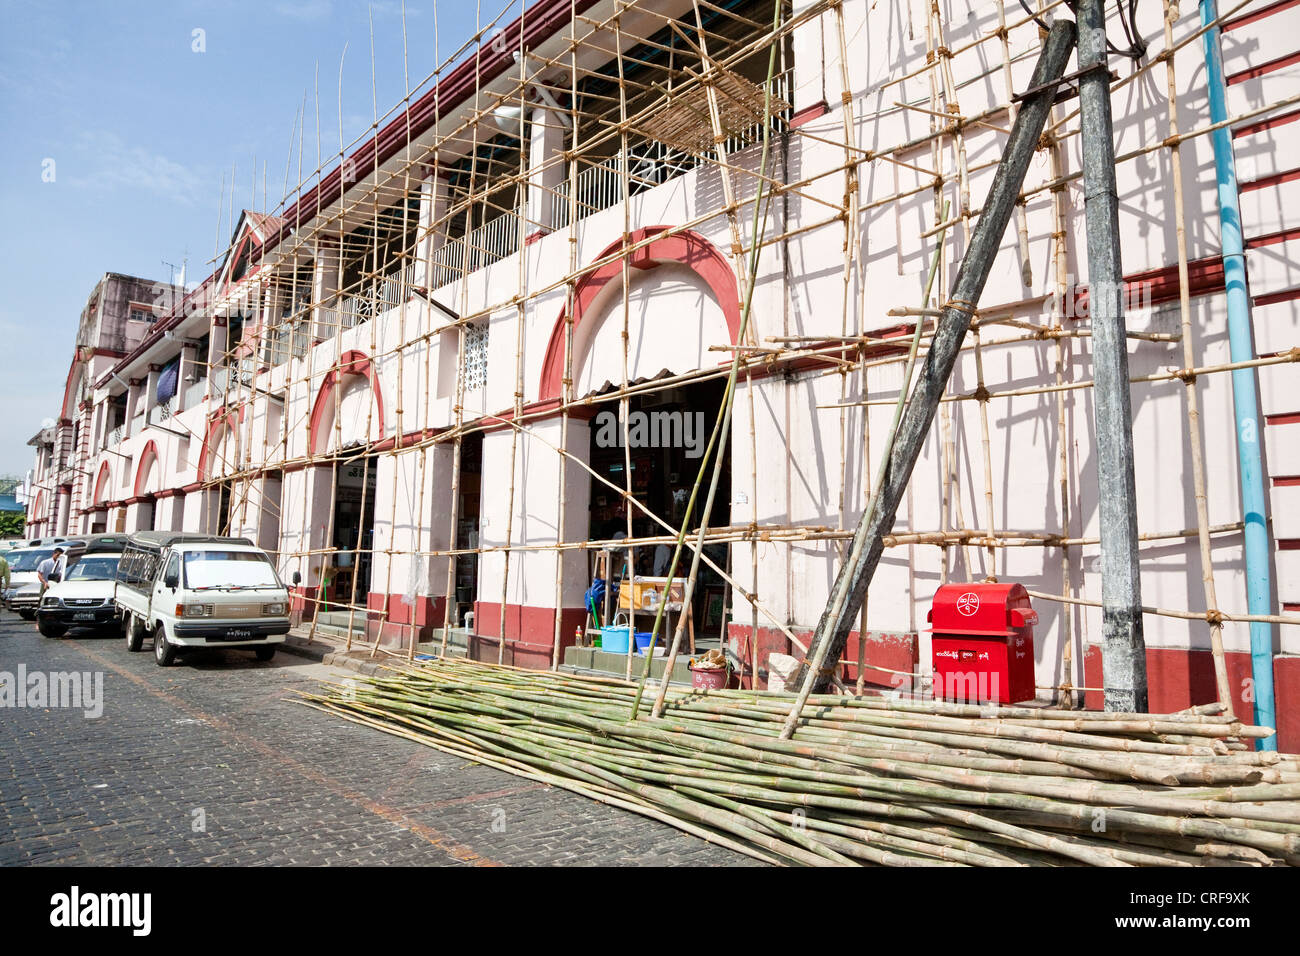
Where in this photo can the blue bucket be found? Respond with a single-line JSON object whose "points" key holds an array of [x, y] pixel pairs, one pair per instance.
{"points": [[613, 640], [642, 642]]}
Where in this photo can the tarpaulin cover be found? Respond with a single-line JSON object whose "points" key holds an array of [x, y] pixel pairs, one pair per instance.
{"points": [[167, 380]]}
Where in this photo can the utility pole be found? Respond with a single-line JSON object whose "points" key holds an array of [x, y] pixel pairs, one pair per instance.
{"points": [[1123, 652]]}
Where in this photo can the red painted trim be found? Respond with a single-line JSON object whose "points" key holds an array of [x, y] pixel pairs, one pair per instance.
{"points": [[425, 611], [1260, 14], [351, 363], [687, 248], [809, 113], [101, 483], [1264, 182], [1260, 126], [216, 421], [1285, 295], [67, 388], [1177, 678], [1272, 66], [1272, 238], [534, 236], [140, 473], [1286, 481], [1288, 544], [191, 488], [1157, 286], [410, 438], [1287, 418]]}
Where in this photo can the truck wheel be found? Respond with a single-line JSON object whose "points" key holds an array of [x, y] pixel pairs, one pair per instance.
{"points": [[164, 654], [265, 652], [133, 630], [51, 629]]}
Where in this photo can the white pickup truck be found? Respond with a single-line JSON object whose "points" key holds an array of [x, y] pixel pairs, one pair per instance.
{"points": [[191, 590]]}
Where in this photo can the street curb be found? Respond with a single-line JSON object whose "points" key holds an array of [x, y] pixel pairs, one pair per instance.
{"points": [[341, 659], [316, 651]]}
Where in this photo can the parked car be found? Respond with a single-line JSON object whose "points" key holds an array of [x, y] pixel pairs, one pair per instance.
{"points": [[84, 598], [24, 592], [190, 590]]}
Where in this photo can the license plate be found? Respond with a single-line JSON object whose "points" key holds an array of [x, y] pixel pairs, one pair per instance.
{"points": [[84, 616], [236, 633]]}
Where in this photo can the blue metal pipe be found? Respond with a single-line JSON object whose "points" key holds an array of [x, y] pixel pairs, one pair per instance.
{"points": [[1244, 399]]}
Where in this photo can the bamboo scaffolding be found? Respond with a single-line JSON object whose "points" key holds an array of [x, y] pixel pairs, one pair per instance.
{"points": [[706, 46]]}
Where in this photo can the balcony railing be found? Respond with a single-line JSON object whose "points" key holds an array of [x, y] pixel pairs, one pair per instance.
{"points": [[194, 392], [115, 437], [651, 164], [489, 243], [387, 292], [162, 411]]}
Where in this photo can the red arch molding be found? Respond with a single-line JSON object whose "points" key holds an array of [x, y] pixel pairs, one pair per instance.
{"points": [[216, 421], [685, 248], [101, 486], [351, 363], [150, 448]]}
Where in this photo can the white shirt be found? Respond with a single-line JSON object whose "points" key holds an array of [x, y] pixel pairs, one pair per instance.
{"points": [[49, 566]]}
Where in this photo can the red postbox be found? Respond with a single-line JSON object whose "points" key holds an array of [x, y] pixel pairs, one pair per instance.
{"points": [[983, 643]]}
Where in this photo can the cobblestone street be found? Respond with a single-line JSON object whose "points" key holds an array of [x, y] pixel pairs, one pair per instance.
{"points": [[210, 762]]}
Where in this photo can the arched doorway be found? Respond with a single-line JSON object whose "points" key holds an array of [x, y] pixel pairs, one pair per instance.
{"points": [[347, 418], [681, 299]]}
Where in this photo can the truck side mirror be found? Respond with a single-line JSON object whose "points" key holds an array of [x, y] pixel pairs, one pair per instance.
{"points": [[171, 580]]}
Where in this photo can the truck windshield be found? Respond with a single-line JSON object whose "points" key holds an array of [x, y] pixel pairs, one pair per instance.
{"points": [[94, 569], [28, 560], [228, 569]]}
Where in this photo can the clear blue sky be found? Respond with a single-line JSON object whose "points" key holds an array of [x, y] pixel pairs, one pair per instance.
{"points": [[141, 128]]}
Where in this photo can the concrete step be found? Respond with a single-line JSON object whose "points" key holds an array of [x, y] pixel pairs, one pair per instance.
{"points": [[594, 660]]}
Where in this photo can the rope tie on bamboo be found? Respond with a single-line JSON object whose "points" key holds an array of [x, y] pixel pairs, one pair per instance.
{"points": [[1215, 616], [961, 305]]}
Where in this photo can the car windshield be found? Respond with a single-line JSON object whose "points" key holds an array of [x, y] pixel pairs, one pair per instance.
{"points": [[28, 560], [228, 569], [95, 568]]}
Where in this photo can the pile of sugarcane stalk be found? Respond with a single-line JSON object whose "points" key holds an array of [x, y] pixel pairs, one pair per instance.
{"points": [[864, 780]]}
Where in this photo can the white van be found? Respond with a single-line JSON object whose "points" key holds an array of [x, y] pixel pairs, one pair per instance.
{"points": [[191, 590]]}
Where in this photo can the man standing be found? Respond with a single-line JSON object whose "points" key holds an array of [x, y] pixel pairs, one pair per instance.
{"points": [[50, 570]]}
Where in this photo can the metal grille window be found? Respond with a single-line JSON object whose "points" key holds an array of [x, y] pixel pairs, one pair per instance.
{"points": [[476, 356]]}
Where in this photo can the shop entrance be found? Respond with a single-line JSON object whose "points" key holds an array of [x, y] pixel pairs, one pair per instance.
{"points": [[467, 524], [667, 434], [354, 528]]}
